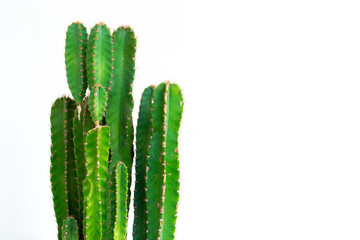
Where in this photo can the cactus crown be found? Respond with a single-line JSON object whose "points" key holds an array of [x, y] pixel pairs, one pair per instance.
{"points": [[92, 143]]}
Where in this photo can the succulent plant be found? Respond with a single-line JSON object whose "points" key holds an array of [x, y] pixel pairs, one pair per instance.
{"points": [[92, 150]]}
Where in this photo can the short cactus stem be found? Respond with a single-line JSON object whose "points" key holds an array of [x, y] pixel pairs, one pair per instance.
{"points": [[75, 60], [69, 230]]}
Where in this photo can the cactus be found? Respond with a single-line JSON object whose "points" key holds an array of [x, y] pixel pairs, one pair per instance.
{"points": [[119, 113], [143, 134], [122, 190], [92, 143], [82, 124], [97, 155], [162, 177], [69, 230], [75, 56], [63, 170]]}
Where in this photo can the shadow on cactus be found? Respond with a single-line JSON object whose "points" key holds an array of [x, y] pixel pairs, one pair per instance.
{"points": [[92, 143]]}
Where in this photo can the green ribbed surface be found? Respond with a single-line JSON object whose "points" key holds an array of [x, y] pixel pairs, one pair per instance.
{"points": [[99, 69], [63, 170], [162, 179], [143, 133], [119, 113], [75, 60], [97, 155], [82, 124], [69, 230], [174, 109], [121, 201], [99, 56], [97, 103], [154, 177]]}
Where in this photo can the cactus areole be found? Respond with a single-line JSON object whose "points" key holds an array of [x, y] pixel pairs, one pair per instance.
{"points": [[92, 150]]}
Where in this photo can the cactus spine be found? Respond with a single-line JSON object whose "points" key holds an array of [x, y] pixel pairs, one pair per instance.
{"points": [[69, 229], [92, 156]]}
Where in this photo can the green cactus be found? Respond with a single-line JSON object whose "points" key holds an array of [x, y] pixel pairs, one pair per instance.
{"points": [[82, 124], [143, 134], [69, 229], [75, 60], [92, 155], [162, 177], [97, 156], [119, 113], [99, 69], [122, 189], [63, 169]]}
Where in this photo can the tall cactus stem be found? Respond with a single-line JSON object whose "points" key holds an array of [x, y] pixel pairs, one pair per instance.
{"points": [[162, 177], [62, 174], [82, 124], [69, 229], [143, 134], [97, 155], [119, 112], [121, 216], [75, 60]]}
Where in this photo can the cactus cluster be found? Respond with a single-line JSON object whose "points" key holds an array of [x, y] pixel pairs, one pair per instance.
{"points": [[92, 150]]}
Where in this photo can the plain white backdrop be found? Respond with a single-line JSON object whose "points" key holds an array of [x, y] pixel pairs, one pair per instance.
{"points": [[270, 140]]}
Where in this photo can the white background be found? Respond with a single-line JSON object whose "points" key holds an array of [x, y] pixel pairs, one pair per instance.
{"points": [[270, 140]]}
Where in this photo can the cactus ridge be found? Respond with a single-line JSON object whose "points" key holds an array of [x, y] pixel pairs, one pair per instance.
{"points": [[69, 229], [62, 156], [119, 113], [143, 134], [162, 177], [82, 124], [75, 60], [97, 155], [121, 216]]}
